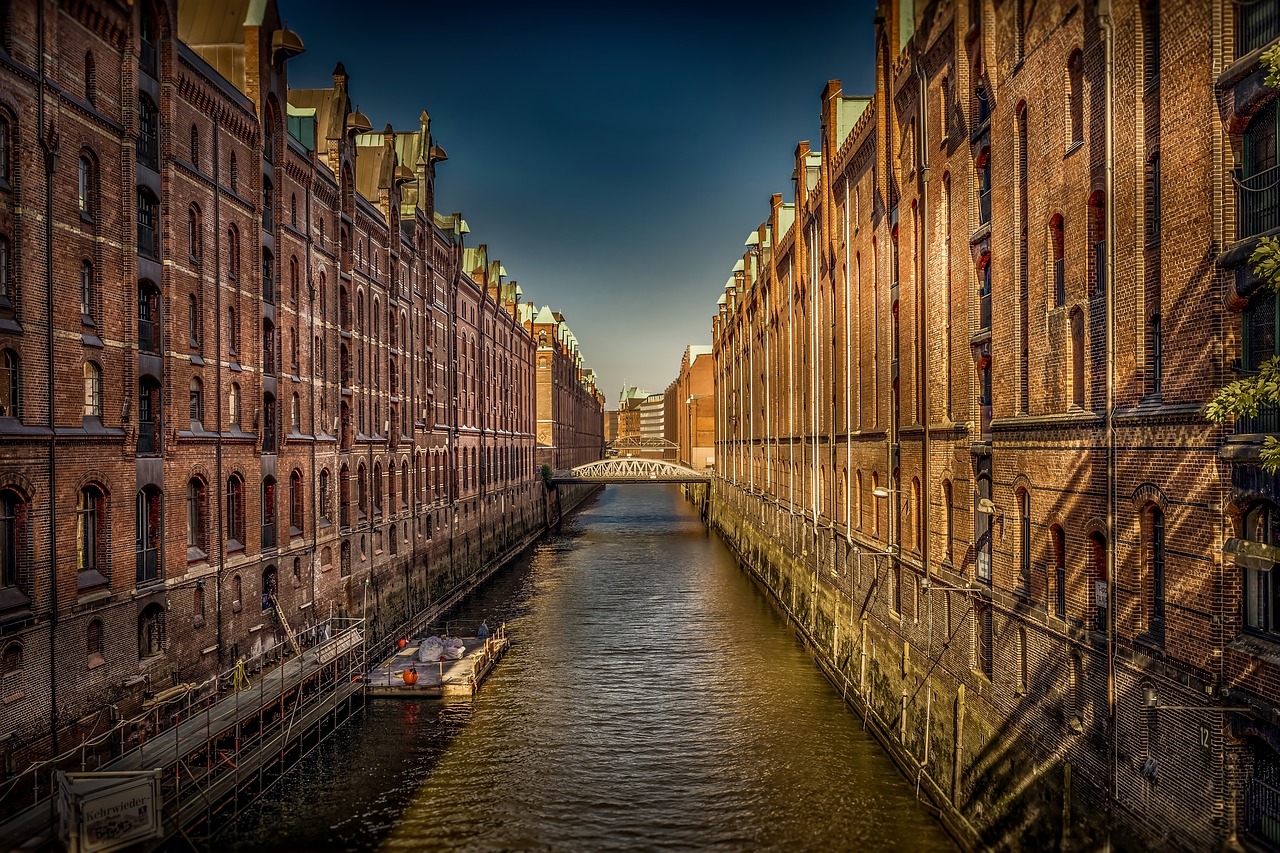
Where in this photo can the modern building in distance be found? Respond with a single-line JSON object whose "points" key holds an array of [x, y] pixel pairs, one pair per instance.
{"points": [[960, 385], [357, 432], [570, 409]]}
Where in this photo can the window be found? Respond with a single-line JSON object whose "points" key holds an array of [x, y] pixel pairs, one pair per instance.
{"points": [[148, 224], [268, 348], [8, 281], [984, 186], [949, 520], [269, 512], [86, 187], [377, 488], [233, 331], [194, 332], [91, 511], [322, 507], [268, 277], [148, 317], [13, 544], [362, 493], [1057, 244], [148, 527], [197, 403], [6, 151], [148, 132], [982, 531], [344, 497], [147, 41], [270, 424], [197, 513], [87, 294], [1155, 562], [1155, 354], [92, 390], [1261, 591], [195, 146], [1024, 540], [1153, 199], [195, 234], [235, 513], [1075, 99], [233, 405], [294, 285], [293, 209], [1098, 241], [149, 417], [233, 252], [268, 204], [233, 176], [1058, 537], [984, 639], [270, 587], [151, 637], [295, 415], [295, 503]]}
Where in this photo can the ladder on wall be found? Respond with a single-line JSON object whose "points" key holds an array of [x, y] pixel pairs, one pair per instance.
{"points": [[284, 623]]}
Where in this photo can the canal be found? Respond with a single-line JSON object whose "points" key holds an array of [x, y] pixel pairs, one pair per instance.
{"points": [[652, 700]]}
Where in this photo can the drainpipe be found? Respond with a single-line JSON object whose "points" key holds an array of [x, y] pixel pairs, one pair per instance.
{"points": [[49, 144], [922, 172], [311, 292], [1105, 24]]}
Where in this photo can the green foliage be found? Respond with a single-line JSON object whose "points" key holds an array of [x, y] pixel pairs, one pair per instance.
{"points": [[546, 476], [1246, 396], [1271, 62]]}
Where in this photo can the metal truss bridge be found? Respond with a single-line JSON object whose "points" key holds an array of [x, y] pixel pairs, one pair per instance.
{"points": [[630, 470], [641, 442]]}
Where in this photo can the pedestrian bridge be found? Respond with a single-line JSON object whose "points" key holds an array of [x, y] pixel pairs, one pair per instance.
{"points": [[630, 470]]}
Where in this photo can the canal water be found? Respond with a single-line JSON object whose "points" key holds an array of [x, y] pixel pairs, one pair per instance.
{"points": [[652, 700]]}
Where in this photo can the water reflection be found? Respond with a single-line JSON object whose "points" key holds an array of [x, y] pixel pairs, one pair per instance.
{"points": [[652, 700]]}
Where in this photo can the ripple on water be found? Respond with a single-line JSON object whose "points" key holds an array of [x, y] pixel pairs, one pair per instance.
{"points": [[652, 701]]}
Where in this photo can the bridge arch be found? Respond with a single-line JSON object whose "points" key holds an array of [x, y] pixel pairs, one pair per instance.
{"points": [[630, 470]]}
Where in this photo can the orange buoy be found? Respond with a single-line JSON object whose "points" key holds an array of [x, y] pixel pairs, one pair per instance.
{"points": [[410, 675], [401, 644]]}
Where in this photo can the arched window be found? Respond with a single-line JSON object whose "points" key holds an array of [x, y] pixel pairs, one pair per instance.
{"points": [[148, 529], [91, 529], [233, 405], [148, 224], [268, 347], [233, 331], [294, 278], [404, 484], [269, 512], [1098, 572], [92, 390], [86, 187], [11, 659], [1098, 240], [362, 493], [982, 529], [391, 486], [322, 502], [197, 515], [235, 513], [233, 252], [194, 312], [148, 132], [90, 80], [1024, 540], [237, 592], [195, 234], [378, 486], [1155, 568], [1057, 245], [296, 498], [197, 403], [270, 586], [197, 605], [344, 497], [13, 535], [88, 294], [1058, 540]]}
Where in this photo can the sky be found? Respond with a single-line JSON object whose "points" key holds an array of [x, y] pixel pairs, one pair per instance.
{"points": [[614, 156]]}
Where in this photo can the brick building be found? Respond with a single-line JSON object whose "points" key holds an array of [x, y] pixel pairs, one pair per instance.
{"points": [[691, 408], [245, 362], [570, 409], [960, 382]]}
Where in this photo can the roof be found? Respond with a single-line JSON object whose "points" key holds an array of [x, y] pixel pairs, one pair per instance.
{"points": [[202, 23], [848, 111], [545, 316]]}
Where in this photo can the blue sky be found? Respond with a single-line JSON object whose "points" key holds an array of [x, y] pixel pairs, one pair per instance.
{"points": [[614, 156]]}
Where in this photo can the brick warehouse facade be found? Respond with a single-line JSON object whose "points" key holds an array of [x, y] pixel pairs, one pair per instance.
{"points": [[960, 383], [244, 358]]}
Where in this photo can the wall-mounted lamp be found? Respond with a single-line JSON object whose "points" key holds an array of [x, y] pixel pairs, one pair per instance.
{"points": [[927, 585], [1151, 699]]}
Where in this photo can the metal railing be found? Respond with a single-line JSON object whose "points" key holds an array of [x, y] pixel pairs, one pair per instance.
{"points": [[1266, 421], [1262, 813], [148, 564], [1258, 203], [1256, 25]]}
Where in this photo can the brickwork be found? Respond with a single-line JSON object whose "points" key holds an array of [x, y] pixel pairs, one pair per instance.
{"points": [[971, 356], [257, 367]]}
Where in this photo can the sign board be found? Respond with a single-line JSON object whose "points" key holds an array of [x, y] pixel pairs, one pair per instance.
{"points": [[100, 812]]}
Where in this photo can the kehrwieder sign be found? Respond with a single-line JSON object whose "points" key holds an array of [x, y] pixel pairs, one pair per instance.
{"points": [[99, 812]]}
